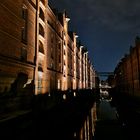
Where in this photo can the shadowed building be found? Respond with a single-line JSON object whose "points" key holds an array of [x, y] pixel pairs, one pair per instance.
{"points": [[127, 72]]}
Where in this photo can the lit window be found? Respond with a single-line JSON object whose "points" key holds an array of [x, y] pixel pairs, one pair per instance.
{"points": [[59, 84], [24, 12], [24, 35], [39, 82]]}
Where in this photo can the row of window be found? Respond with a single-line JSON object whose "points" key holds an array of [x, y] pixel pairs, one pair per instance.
{"points": [[24, 15], [41, 49], [24, 32], [24, 28]]}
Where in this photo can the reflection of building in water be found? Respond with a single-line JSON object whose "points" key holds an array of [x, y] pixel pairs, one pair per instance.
{"points": [[88, 128], [35, 40]]}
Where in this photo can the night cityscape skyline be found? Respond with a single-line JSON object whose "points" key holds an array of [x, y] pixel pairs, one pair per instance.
{"points": [[106, 28]]}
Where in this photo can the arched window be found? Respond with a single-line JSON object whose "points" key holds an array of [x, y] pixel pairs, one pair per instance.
{"points": [[41, 49], [24, 12], [41, 30], [40, 68], [41, 14]]}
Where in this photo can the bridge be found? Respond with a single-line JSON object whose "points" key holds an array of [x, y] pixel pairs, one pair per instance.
{"points": [[105, 74], [103, 85]]}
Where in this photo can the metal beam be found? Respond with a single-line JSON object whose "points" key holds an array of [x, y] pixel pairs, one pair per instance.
{"points": [[105, 73]]}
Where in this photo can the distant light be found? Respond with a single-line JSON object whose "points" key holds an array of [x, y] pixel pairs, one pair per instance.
{"points": [[74, 134], [58, 86], [76, 36], [74, 94], [64, 96]]}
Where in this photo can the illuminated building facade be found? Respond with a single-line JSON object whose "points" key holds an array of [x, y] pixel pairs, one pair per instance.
{"points": [[40, 46], [65, 60], [17, 44], [39, 55], [41, 49], [70, 53]]}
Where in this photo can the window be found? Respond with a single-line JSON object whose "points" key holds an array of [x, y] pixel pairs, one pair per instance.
{"points": [[24, 12], [40, 67], [23, 54], [24, 35], [40, 82], [64, 74], [41, 49], [58, 84], [52, 38], [41, 14], [41, 30], [24, 28], [51, 65], [52, 53], [59, 45]]}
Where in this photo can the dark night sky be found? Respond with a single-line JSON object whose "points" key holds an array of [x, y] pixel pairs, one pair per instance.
{"points": [[106, 27]]}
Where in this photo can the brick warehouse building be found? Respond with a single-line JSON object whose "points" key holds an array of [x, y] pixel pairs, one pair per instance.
{"points": [[39, 56], [17, 49], [127, 72], [126, 88], [40, 50]]}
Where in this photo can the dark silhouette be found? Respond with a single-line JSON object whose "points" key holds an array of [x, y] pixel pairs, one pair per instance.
{"points": [[18, 84], [30, 88]]}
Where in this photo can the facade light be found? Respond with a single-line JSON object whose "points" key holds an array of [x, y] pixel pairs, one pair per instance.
{"points": [[74, 94], [76, 36], [67, 19], [64, 96]]}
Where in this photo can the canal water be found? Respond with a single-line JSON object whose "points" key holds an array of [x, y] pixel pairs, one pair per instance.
{"points": [[108, 126]]}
